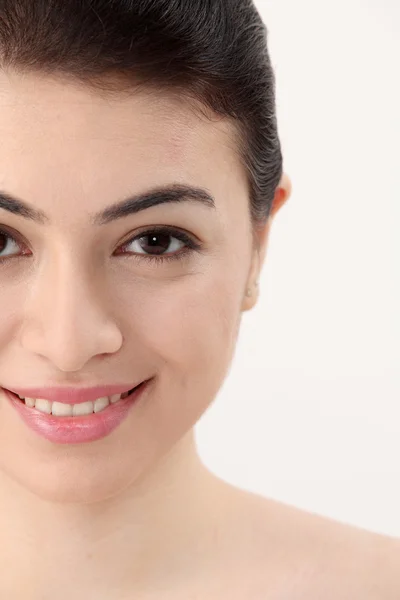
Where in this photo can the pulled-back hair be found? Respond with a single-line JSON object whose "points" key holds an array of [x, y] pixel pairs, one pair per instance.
{"points": [[212, 52]]}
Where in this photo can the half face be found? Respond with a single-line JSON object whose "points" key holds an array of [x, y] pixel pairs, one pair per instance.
{"points": [[90, 300]]}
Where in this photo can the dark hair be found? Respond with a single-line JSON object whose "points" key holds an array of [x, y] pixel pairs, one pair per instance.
{"points": [[211, 51]]}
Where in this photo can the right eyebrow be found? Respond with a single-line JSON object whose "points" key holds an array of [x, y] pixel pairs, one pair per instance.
{"points": [[131, 205]]}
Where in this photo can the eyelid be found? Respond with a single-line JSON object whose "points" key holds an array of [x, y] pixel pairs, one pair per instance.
{"points": [[13, 235], [190, 244], [169, 229]]}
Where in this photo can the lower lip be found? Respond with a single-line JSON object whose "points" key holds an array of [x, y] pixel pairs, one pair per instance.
{"points": [[76, 430]]}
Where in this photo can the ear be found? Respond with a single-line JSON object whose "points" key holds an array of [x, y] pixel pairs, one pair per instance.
{"points": [[251, 292]]}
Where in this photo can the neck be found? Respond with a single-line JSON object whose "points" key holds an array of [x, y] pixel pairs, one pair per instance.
{"points": [[124, 543]]}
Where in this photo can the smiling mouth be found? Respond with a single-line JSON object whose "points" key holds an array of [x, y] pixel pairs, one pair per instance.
{"points": [[59, 409]]}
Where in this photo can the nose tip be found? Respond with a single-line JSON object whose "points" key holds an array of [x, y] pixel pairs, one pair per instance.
{"points": [[70, 349], [69, 319]]}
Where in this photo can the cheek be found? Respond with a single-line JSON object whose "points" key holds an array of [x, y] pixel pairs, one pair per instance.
{"points": [[184, 323], [189, 329], [12, 300]]}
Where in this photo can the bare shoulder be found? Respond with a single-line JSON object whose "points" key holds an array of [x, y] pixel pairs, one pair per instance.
{"points": [[358, 563], [290, 554], [267, 550], [319, 557]]}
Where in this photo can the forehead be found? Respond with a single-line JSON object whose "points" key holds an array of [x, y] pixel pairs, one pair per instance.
{"points": [[70, 152], [55, 123]]}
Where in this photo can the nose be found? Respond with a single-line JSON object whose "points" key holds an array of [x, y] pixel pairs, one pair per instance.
{"points": [[67, 318]]}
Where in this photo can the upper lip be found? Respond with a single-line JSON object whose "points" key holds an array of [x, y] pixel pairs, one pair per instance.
{"points": [[72, 395]]}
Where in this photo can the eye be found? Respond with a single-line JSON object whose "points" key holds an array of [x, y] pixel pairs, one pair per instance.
{"points": [[152, 245], [7, 244]]}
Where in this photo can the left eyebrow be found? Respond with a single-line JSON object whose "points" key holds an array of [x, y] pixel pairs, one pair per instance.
{"points": [[129, 206]]}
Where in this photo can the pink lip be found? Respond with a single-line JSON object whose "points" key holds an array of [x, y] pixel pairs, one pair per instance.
{"points": [[70, 395], [76, 430]]}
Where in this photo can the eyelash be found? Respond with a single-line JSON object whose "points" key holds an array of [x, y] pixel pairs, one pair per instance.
{"points": [[190, 244]]}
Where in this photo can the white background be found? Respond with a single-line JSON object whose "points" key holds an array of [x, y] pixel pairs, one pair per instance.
{"points": [[310, 412]]}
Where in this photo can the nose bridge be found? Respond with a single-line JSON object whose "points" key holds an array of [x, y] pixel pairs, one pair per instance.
{"points": [[66, 319]]}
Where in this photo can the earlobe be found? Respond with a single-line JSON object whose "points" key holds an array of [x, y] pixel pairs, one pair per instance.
{"points": [[249, 292], [282, 194], [251, 297]]}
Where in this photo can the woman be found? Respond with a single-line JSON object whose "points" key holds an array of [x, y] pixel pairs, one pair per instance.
{"points": [[140, 170]]}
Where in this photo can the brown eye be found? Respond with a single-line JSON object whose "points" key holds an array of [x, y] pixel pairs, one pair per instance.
{"points": [[160, 244], [157, 243], [7, 242]]}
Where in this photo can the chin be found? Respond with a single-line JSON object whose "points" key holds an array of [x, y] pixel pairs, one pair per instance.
{"points": [[73, 476]]}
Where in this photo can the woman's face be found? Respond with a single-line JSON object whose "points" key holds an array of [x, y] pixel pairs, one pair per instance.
{"points": [[75, 310]]}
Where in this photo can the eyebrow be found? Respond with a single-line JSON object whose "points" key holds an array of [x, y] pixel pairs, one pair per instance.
{"points": [[128, 206]]}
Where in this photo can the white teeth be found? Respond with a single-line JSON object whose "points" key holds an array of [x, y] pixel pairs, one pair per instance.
{"points": [[100, 404], [78, 410], [43, 405], [59, 409], [115, 397]]}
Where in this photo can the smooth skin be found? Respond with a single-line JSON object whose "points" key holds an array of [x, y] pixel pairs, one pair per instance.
{"points": [[137, 514]]}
